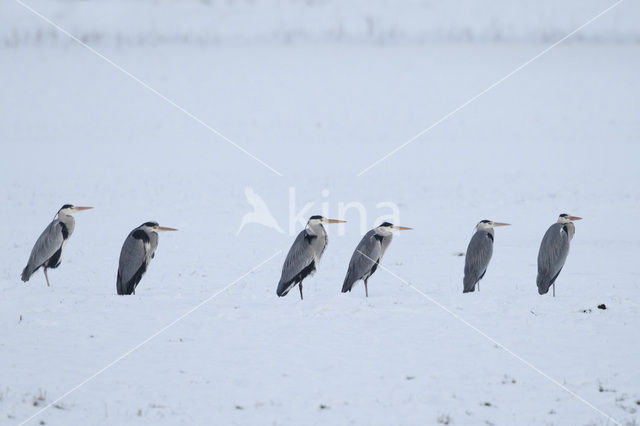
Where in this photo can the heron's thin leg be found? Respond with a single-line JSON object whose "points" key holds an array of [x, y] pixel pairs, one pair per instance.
{"points": [[554, 289], [366, 290], [47, 277], [300, 287], [478, 285]]}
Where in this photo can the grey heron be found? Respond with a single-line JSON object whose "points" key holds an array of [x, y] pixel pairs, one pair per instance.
{"points": [[368, 254], [304, 255], [553, 252], [479, 254], [47, 252], [137, 251]]}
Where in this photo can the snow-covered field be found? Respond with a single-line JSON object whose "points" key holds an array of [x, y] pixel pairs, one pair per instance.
{"points": [[559, 136]]}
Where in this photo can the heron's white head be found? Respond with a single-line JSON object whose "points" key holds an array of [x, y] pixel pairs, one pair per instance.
{"points": [[68, 209], [565, 218], [484, 225], [321, 220], [387, 228], [154, 227]]}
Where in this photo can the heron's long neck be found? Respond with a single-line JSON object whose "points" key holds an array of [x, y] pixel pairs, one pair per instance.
{"points": [[485, 228], [68, 221], [316, 229], [571, 229], [386, 240]]}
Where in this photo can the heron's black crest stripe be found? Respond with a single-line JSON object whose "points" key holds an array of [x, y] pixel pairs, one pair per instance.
{"points": [[564, 215], [490, 236], [140, 235], [485, 221], [66, 206], [386, 224], [150, 224], [315, 217]]}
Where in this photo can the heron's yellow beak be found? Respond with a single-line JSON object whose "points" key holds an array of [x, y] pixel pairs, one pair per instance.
{"points": [[76, 208], [336, 221], [574, 218], [402, 228], [501, 224], [164, 228]]}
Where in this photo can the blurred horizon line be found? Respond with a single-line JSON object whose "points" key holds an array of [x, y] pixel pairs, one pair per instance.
{"points": [[321, 22]]}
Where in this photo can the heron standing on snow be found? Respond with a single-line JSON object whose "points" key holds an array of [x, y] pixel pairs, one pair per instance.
{"points": [[553, 252], [368, 254], [47, 252], [138, 250], [304, 255], [479, 254]]}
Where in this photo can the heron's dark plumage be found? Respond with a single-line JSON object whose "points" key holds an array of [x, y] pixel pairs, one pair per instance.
{"points": [[303, 256], [477, 258], [285, 287], [137, 251], [54, 261], [129, 286], [64, 230], [366, 257], [47, 251], [139, 234], [554, 250]]}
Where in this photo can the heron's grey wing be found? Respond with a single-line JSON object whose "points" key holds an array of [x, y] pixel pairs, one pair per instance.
{"points": [[132, 264], [477, 259], [47, 245], [554, 249], [363, 261], [299, 263]]}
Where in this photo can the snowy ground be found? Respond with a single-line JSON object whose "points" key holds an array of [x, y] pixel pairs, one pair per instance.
{"points": [[560, 136]]}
